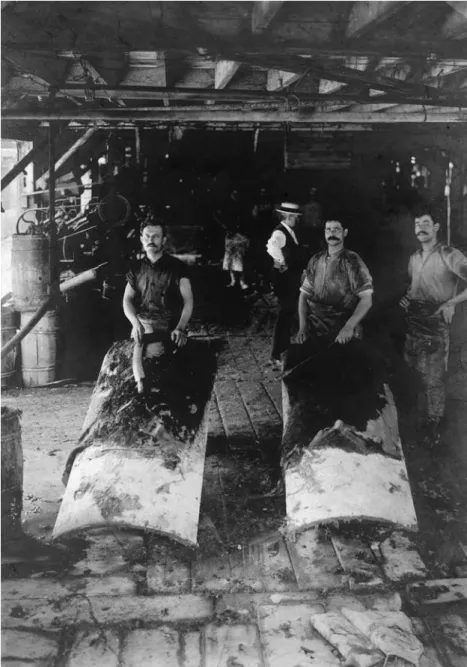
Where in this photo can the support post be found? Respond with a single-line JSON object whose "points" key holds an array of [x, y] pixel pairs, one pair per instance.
{"points": [[54, 273]]}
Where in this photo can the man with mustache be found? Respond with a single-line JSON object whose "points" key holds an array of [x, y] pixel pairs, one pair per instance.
{"points": [[158, 295], [435, 272], [336, 291]]}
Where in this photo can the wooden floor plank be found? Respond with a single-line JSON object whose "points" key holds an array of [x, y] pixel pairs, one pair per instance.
{"points": [[438, 591], [235, 418], [288, 639], [430, 657], [244, 358], [260, 566], [167, 572], [450, 634], [399, 558], [230, 645], [357, 559], [216, 426], [314, 561], [265, 563], [274, 391], [263, 414]]}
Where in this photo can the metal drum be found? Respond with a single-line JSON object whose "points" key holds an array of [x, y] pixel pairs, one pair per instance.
{"points": [[31, 270]]}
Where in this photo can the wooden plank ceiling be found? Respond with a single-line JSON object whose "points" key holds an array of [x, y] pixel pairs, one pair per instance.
{"points": [[241, 63]]}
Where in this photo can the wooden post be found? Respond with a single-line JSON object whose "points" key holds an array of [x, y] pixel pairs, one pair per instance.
{"points": [[55, 270]]}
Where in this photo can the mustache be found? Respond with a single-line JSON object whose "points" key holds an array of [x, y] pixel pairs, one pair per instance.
{"points": [[333, 238], [422, 233]]}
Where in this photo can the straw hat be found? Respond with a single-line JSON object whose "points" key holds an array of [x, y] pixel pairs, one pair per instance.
{"points": [[289, 207]]}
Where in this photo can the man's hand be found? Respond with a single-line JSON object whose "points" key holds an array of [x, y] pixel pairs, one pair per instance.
{"points": [[302, 334], [404, 302], [179, 337], [280, 266], [446, 311], [345, 334], [137, 332]]}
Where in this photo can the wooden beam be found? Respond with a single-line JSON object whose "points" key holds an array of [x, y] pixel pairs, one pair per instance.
{"points": [[224, 73], [366, 15], [84, 138], [234, 116], [278, 80], [263, 13], [88, 69], [331, 90]]}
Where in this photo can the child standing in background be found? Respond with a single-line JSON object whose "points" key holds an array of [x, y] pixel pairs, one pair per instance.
{"points": [[236, 246]]}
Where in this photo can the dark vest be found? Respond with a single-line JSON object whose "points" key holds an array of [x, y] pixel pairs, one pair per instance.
{"points": [[291, 251]]}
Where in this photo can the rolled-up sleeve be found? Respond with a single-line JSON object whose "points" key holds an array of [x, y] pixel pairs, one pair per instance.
{"points": [[362, 282], [457, 262], [274, 246], [131, 277], [307, 286]]}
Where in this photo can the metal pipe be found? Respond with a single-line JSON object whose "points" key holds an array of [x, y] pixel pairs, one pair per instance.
{"points": [[238, 116]]}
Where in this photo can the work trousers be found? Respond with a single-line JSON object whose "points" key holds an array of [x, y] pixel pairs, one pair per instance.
{"points": [[428, 356]]}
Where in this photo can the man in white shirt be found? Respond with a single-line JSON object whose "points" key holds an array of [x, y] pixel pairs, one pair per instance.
{"points": [[283, 247]]}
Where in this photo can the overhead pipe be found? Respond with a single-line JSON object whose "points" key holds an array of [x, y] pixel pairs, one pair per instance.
{"points": [[182, 114]]}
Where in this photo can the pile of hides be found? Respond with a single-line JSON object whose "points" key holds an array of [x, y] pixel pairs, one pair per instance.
{"points": [[368, 638], [179, 385], [331, 382]]}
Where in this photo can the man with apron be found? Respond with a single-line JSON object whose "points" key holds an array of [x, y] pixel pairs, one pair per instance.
{"points": [[336, 291], [435, 272]]}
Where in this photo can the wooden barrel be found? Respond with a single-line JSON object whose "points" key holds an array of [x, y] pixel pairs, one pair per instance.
{"points": [[31, 270], [9, 326], [12, 473], [39, 350]]}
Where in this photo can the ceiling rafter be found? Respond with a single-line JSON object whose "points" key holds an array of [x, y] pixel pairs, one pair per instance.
{"points": [[455, 25], [225, 71], [263, 13], [365, 16], [278, 80]]}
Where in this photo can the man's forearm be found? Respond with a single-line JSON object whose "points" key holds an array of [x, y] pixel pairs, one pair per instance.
{"points": [[302, 310], [363, 306], [456, 300], [130, 311], [185, 316]]}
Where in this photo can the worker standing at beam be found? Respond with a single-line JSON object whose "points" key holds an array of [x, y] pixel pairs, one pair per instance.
{"points": [[283, 246], [436, 272], [158, 298], [336, 291]]}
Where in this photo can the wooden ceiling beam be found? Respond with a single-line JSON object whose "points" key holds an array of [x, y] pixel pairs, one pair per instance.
{"points": [[41, 182], [224, 73], [236, 116], [263, 13], [365, 16], [349, 95]]}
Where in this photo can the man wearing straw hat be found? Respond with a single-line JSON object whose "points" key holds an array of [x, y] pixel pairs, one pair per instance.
{"points": [[284, 248]]}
